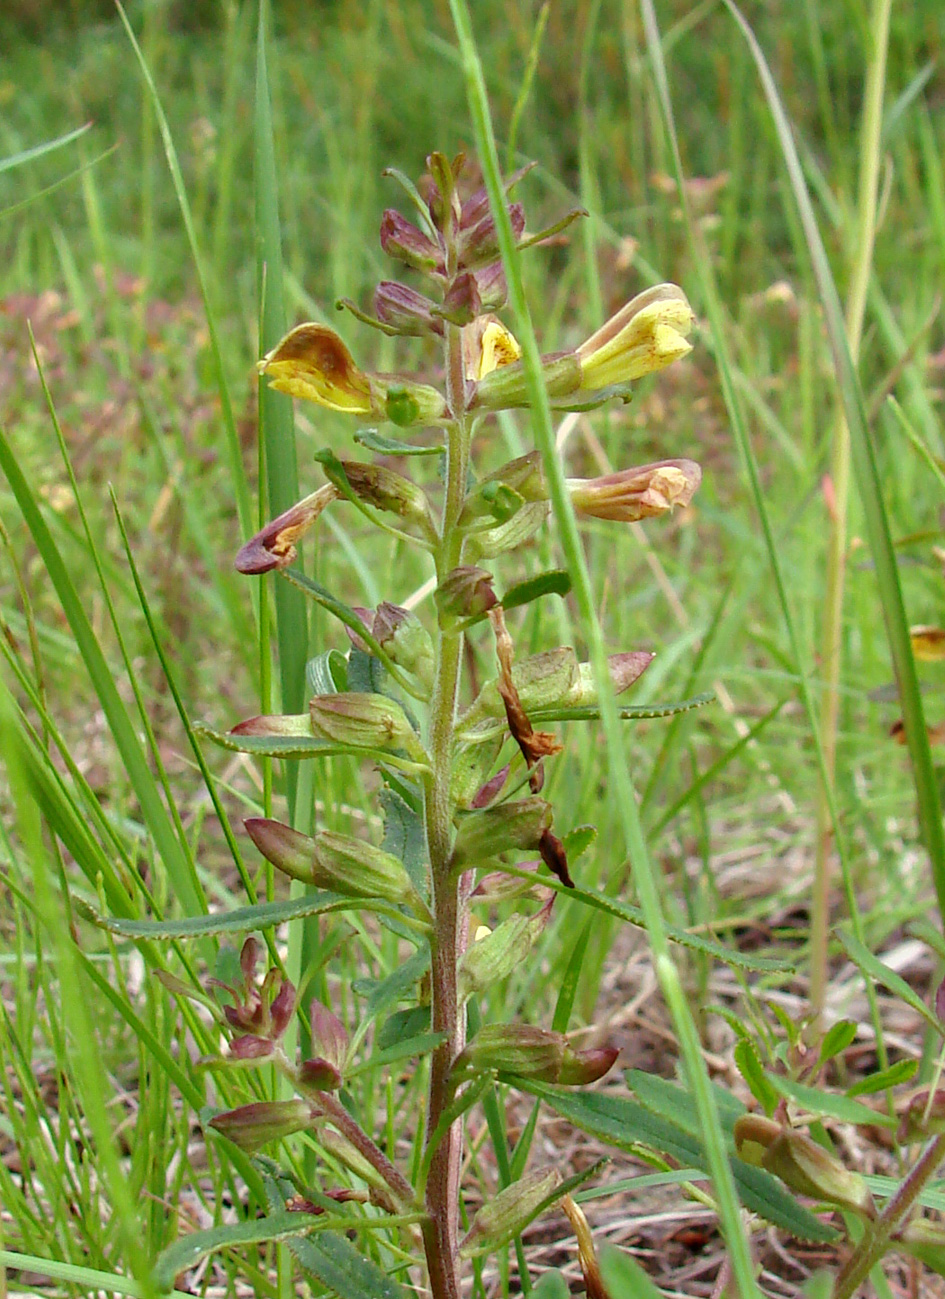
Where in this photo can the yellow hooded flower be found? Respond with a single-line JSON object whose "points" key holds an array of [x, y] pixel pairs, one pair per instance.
{"points": [[646, 335]]}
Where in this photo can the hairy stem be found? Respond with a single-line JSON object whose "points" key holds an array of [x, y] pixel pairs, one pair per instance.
{"points": [[442, 1195], [876, 1240]]}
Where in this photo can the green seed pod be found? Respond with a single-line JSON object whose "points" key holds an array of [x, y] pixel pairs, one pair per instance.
{"points": [[366, 721], [809, 1169], [253, 1126], [495, 956], [508, 826], [505, 1216]]}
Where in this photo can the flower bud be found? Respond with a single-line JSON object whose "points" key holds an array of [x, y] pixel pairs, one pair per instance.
{"points": [[275, 726], [809, 1169], [512, 1048], [549, 678], [319, 1075], [406, 640], [251, 1047], [289, 850], [252, 1126], [406, 403], [313, 363], [524, 476], [402, 240], [404, 310], [353, 867], [509, 1213], [646, 335], [753, 1135], [466, 592], [504, 387], [442, 198], [493, 289], [461, 302], [275, 546], [329, 1035], [281, 1007], [580, 1068], [364, 720], [496, 955], [385, 490], [624, 670], [635, 494], [505, 827]]}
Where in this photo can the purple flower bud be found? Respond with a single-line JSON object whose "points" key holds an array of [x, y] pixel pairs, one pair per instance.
{"points": [[319, 1075], [461, 302], [405, 310], [281, 1008], [289, 850], [251, 1047], [466, 592], [402, 240], [275, 545], [491, 789], [479, 243], [579, 1068], [329, 1035], [252, 1126], [492, 286], [249, 954]]}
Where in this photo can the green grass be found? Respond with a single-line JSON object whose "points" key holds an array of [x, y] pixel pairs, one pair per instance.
{"points": [[149, 370]]}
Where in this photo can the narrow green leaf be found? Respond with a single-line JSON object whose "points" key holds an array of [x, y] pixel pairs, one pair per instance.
{"points": [[245, 920], [569, 983], [629, 1126], [326, 673], [39, 150], [627, 713], [748, 1063], [189, 1250], [837, 1106], [384, 993], [873, 968], [388, 446], [292, 746], [551, 1285], [404, 836], [409, 1049], [555, 582], [900, 1072], [335, 1262], [88, 1279], [837, 1038]]}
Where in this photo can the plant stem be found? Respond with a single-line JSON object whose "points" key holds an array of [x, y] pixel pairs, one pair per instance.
{"points": [[876, 1240], [832, 644], [442, 1195]]}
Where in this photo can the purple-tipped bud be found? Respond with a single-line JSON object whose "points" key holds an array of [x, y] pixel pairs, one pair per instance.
{"points": [[461, 302], [319, 1075], [477, 205], [402, 240], [251, 1047], [404, 310], [624, 670], [364, 720], [580, 1068], [275, 726], [253, 1126], [281, 1008], [634, 494], [923, 1118], [512, 1048], [504, 1217], [289, 850], [276, 545], [406, 640], [466, 592], [249, 955], [488, 792], [492, 286], [506, 827], [329, 1035]]}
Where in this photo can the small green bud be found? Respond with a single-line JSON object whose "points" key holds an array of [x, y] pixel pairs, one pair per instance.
{"points": [[347, 865], [524, 476], [484, 834], [923, 1119], [809, 1169], [253, 1126], [505, 387], [624, 670], [406, 640], [367, 721], [505, 1216], [466, 592], [496, 955], [512, 1048]]}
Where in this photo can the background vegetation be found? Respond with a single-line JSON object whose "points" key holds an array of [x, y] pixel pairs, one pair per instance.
{"points": [[96, 261]]}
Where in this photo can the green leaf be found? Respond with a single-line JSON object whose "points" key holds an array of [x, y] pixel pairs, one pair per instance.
{"points": [[38, 151], [578, 840], [555, 582], [873, 968], [837, 1038], [189, 1250], [409, 1049], [634, 916], [327, 673], [837, 1106], [623, 1276], [300, 746], [387, 446], [404, 836], [749, 1065], [629, 713], [569, 984], [245, 920], [381, 994], [335, 1262], [630, 1126], [401, 1024], [551, 1285], [900, 1072]]}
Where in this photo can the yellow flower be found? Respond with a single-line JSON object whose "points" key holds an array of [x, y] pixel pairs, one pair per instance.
{"points": [[312, 362], [646, 335]]}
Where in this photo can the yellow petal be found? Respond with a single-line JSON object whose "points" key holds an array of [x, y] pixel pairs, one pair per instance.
{"points": [[313, 363]]}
